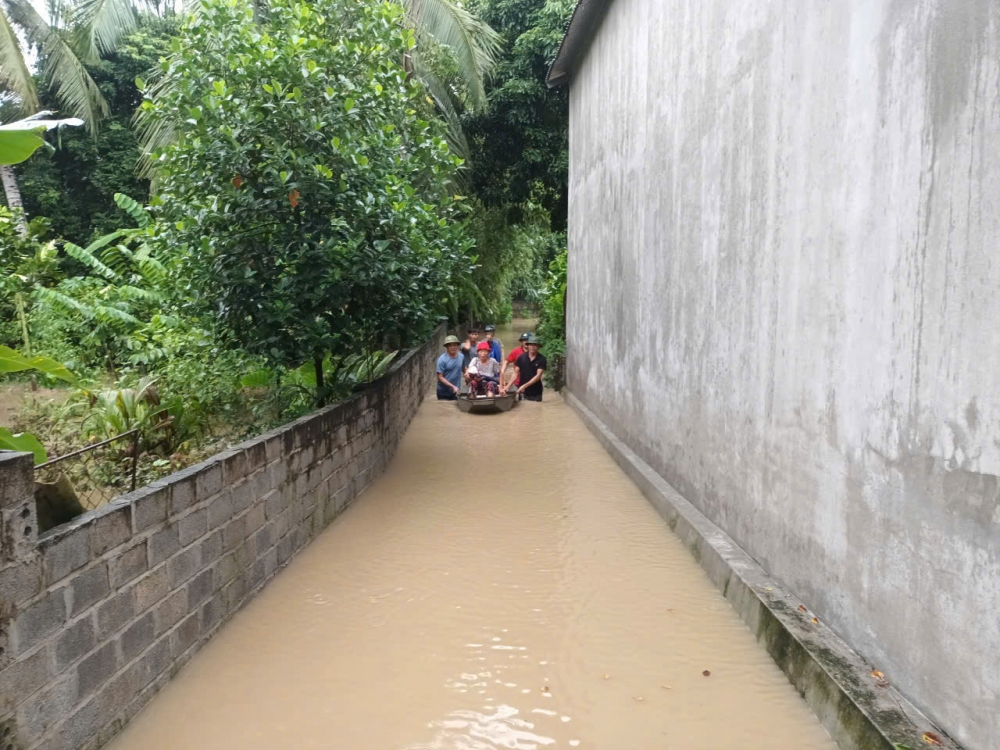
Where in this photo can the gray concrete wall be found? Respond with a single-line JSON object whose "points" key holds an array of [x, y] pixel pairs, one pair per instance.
{"points": [[784, 295], [98, 615]]}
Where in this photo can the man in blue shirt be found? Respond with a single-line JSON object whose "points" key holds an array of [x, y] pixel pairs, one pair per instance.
{"points": [[496, 348], [450, 367]]}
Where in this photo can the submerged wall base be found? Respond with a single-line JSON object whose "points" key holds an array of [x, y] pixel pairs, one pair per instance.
{"points": [[859, 709]]}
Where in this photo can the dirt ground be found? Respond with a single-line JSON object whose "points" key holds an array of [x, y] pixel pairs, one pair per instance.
{"points": [[13, 395]]}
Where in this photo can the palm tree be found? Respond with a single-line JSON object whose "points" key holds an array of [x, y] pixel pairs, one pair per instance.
{"points": [[72, 35], [474, 46]]}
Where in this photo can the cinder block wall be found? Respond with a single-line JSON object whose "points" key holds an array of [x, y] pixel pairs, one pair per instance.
{"points": [[96, 616]]}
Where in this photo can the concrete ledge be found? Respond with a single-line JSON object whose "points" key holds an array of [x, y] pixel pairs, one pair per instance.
{"points": [[860, 711]]}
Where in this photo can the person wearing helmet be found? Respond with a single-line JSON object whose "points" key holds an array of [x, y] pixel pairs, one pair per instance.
{"points": [[483, 373], [450, 367], [512, 358], [528, 369], [469, 347], [496, 347]]}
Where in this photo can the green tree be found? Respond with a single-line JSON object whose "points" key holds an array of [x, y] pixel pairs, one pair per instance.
{"points": [[518, 145], [75, 185], [69, 36], [452, 55], [26, 261], [306, 184]]}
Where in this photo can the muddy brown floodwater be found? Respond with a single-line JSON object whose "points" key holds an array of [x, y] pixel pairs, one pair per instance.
{"points": [[503, 585]]}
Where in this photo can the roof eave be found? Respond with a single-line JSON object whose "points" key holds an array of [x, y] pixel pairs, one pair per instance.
{"points": [[580, 32]]}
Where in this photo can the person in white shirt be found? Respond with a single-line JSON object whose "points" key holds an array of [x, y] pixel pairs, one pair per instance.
{"points": [[483, 373]]}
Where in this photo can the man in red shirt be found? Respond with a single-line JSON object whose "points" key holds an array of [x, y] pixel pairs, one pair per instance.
{"points": [[512, 358]]}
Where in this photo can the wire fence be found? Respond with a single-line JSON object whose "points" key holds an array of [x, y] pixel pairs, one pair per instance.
{"points": [[93, 475]]}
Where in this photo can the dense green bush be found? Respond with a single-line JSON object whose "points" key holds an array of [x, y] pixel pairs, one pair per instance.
{"points": [[512, 262], [552, 324], [308, 185], [25, 262]]}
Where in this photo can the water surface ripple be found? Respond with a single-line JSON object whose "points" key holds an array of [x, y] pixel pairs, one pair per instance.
{"points": [[503, 585]]}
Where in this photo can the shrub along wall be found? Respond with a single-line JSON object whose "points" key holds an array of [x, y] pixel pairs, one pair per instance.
{"points": [[97, 615]]}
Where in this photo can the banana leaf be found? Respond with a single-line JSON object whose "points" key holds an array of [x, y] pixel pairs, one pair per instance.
{"points": [[22, 441]]}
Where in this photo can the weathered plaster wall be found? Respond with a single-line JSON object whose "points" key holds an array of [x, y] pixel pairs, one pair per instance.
{"points": [[784, 294], [98, 615]]}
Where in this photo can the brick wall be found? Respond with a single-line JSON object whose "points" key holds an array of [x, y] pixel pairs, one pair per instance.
{"points": [[97, 615]]}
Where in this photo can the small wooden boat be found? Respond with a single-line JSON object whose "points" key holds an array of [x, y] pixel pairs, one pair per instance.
{"points": [[486, 404]]}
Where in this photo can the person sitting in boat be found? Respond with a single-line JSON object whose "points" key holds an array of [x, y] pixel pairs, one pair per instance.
{"points": [[483, 374]]}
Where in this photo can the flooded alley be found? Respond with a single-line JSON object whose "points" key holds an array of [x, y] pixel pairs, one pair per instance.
{"points": [[502, 585]]}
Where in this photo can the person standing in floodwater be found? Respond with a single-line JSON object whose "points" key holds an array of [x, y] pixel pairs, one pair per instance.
{"points": [[496, 346], [511, 359], [529, 369], [469, 347], [450, 367]]}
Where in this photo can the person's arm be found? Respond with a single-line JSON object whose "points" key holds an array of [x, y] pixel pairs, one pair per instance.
{"points": [[538, 376], [444, 381], [503, 367], [508, 360]]}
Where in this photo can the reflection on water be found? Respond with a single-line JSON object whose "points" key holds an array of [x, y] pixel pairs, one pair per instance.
{"points": [[503, 585], [492, 727]]}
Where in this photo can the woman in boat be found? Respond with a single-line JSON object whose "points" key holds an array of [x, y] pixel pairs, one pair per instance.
{"points": [[483, 374]]}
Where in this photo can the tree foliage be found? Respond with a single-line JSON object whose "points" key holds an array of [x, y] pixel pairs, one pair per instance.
{"points": [[308, 184], [518, 147], [74, 186]]}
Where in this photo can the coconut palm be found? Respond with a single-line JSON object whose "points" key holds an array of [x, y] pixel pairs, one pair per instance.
{"points": [[72, 34], [474, 47], [472, 42]]}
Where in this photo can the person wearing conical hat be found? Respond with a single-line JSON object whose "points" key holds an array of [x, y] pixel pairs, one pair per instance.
{"points": [[450, 367]]}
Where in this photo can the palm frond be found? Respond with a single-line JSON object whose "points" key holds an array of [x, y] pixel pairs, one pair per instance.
{"points": [[69, 79], [134, 209], [14, 73], [46, 294], [100, 242], [88, 259], [138, 294], [109, 313], [154, 132], [446, 107], [473, 43], [99, 24]]}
